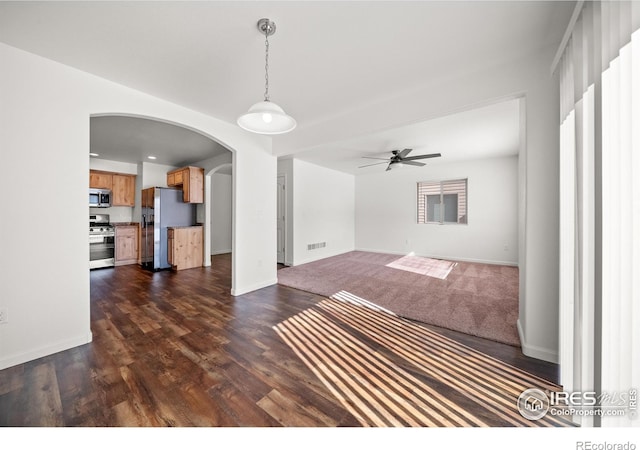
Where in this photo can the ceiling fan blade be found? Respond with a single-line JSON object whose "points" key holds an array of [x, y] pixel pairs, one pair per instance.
{"points": [[400, 156], [374, 164], [432, 155]]}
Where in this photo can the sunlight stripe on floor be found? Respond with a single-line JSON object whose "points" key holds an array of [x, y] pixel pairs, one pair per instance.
{"points": [[370, 386], [355, 348]]}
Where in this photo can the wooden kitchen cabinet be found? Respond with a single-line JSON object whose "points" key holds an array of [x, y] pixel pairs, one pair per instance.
{"points": [[191, 180], [100, 180], [175, 178], [127, 244], [148, 197], [185, 249], [122, 186], [124, 190]]}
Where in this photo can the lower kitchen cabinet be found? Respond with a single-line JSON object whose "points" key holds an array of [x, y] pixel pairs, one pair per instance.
{"points": [[126, 244], [185, 249]]}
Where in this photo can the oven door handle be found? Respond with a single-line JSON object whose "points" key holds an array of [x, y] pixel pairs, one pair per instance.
{"points": [[100, 238]]}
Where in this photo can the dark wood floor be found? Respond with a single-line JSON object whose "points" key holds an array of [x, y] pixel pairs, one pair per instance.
{"points": [[176, 349]]}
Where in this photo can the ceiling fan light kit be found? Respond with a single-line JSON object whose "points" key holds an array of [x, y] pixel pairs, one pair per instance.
{"points": [[266, 117]]}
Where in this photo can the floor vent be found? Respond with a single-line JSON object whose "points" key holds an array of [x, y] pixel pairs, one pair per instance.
{"points": [[315, 246]]}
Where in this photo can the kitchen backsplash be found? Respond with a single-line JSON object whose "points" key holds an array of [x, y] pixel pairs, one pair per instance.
{"points": [[116, 213], [199, 213]]}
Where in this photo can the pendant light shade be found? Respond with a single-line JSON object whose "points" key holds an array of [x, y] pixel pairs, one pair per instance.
{"points": [[266, 117]]}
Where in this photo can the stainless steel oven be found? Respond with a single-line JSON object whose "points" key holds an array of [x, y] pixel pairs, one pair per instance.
{"points": [[102, 242]]}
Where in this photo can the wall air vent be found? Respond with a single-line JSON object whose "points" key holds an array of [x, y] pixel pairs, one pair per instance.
{"points": [[315, 246]]}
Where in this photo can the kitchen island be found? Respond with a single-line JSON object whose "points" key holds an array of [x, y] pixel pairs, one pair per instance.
{"points": [[185, 247]]}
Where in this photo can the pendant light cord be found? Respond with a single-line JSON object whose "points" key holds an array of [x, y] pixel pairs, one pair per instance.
{"points": [[266, 117], [266, 67]]}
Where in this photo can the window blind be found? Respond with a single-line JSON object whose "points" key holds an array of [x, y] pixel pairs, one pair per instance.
{"points": [[442, 201], [599, 71]]}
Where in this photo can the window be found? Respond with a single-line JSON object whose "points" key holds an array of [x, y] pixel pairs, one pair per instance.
{"points": [[442, 202]]}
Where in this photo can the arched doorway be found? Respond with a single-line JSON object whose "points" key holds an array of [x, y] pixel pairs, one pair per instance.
{"points": [[219, 211], [149, 147]]}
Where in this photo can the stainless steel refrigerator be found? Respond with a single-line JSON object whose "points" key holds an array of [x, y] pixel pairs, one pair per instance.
{"points": [[161, 208]]}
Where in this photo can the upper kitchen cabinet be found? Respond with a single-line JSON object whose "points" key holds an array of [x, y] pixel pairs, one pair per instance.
{"points": [[122, 186], [100, 180], [124, 190], [191, 180], [148, 196]]}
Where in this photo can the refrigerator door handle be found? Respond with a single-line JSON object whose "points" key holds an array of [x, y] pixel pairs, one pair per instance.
{"points": [[145, 251]]}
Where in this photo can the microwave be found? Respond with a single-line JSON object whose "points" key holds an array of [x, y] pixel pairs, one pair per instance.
{"points": [[99, 198]]}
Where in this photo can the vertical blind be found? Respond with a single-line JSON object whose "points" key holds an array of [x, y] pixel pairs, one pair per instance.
{"points": [[599, 74]]}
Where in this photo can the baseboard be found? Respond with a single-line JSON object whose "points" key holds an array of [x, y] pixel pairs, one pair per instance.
{"points": [[47, 350], [309, 260], [319, 257], [533, 351], [447, 258], [253, 287], [220, 252]]}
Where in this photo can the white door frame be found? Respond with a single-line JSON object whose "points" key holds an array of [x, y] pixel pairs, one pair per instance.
{"points": [[281, 199]]}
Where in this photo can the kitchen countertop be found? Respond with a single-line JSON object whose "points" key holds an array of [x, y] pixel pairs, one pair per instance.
{"points": [[125, 224], [188, 226]]}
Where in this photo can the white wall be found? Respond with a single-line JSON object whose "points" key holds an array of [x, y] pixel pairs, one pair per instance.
{"points": [[113, 166], [155, 175], [386, 212], [45, 114], [221, 209], [323, 211]]}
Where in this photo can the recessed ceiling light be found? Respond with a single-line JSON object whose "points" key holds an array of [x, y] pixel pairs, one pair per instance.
{"points": [[94, 154], [151, 157]]}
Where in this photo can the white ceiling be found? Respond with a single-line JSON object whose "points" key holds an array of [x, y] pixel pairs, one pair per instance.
{"points": [[326, 57], [133, 140], [491, 131]]}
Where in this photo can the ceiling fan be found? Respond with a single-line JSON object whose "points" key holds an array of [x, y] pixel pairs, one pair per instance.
{"points": [[400, 158]]}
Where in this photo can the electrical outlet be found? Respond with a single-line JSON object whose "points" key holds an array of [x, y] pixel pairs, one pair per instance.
{"points": [[4, 315]]}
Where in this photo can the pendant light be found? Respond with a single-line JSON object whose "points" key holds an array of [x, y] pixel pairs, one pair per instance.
{"points": [[266, 117]]}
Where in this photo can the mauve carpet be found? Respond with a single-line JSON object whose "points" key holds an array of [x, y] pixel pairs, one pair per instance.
{"points": [[476, 299]]}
